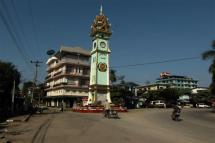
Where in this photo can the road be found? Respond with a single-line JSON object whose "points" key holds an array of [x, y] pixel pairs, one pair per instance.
{"points": [[136, 126]]}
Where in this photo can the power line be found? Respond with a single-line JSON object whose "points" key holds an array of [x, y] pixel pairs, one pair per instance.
{"points": [[20, 25], [4, 5], [36, 63], [33, 24], [157, 62], [13, 36]]}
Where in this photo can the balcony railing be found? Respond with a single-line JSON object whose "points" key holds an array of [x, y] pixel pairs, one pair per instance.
{"points": [[69, 61]]}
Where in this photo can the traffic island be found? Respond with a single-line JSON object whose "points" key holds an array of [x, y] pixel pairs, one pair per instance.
{"points": [[97, 109]]}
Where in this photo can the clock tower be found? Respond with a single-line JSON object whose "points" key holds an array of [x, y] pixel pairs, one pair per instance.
{"points": [[99, 89]]}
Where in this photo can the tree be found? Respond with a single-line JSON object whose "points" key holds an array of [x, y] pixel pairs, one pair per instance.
{"points": [[26, 87], [113, 76], [151, 95], [170, 95], [121, 79], [201, 97], [8, 74], [210, 54]]}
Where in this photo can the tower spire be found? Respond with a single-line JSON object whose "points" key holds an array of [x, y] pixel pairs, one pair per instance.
{"points": [[101, 10]]}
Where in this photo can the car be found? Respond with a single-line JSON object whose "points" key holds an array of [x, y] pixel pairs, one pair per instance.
{"points": [[202, 105], [158, 103]]}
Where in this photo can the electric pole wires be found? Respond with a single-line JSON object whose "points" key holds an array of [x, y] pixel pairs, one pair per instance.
{"points": [[158, 62], [36, 64], [11, 30], [22, 29], [35, 34]]}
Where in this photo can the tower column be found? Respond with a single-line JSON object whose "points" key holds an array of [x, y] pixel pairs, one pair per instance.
{"points": [[99, 89]]}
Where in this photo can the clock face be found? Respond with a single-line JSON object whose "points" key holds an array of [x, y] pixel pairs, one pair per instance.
{"points": [[102, 44], [102, 67]]}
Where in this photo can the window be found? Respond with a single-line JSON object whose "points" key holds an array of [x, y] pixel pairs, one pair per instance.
{"points": [[68, 69], [82, 82], [85, 71]]}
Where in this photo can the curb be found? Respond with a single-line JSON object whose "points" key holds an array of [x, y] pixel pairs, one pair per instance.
{"points": [[26, 118]]}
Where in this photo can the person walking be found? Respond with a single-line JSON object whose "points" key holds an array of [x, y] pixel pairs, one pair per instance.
{"points": [[107, 108], [62, 106]]}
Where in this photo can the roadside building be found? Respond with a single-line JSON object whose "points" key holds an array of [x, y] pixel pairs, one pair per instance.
{"points": [[67, 78], [167, 80], [199, 89], [151, 87], [179, 82]]}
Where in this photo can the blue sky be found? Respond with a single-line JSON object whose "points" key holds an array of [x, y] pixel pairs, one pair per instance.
{"points": [[143, 31]]}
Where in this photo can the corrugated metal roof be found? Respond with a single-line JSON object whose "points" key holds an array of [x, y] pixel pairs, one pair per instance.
{"points": [[74, 50]]}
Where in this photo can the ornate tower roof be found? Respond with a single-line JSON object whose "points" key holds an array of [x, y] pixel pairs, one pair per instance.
{"points": [[101, 25]]}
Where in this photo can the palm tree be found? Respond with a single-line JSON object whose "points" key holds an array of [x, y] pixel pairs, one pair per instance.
{"points": [[113, 76], [211, 55]]}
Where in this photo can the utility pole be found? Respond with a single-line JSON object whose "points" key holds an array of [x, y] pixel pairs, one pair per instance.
{"points": [[36, 63], [13, 95]]}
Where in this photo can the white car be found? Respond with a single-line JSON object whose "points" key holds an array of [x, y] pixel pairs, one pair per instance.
{"points": [[158, 103], [202, 105]]}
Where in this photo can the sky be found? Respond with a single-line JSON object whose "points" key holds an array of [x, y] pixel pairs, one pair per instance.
{"points": [[144, 31]]}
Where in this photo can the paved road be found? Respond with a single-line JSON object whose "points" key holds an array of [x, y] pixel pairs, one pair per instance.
{"points": [[136, 126]]}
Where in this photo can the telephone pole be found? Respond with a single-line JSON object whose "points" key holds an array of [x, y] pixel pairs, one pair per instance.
{"points": [[36, 63], [13, 96]]}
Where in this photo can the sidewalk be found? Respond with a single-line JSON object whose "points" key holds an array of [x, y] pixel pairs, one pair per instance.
{"points": [[13, 121], [21, 118], [22, 130]]}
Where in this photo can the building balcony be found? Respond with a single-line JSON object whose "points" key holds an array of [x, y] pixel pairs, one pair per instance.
{"points": [[78, 75], [66, 85], [58, 73], [69, 62], [74, 94], [47, 77]]}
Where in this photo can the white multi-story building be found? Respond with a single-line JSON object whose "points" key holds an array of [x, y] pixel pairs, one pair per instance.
{"points": [[179, 82], [68, 76], [167, 80]]}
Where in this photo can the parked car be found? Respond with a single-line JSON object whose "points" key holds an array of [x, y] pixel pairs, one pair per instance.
{"points": [[202, 105], [158, 103]]}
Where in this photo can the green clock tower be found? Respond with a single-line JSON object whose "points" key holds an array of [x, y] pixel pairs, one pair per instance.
{"points": [[99, 89]]}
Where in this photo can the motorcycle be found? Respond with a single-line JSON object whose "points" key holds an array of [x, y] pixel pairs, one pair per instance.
{"points": [[176, 114], [111, 114]]}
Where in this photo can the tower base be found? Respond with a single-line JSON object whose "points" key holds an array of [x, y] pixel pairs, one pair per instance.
{"points": [[98, 94]]}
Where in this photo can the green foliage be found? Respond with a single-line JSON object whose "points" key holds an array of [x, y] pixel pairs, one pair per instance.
{"points": [[185, 91], [120, 93], [170, 94], [117, 95], [211, 55], [151, 95], [113, 76], [8, 73], [201, 97], [26, 87]]}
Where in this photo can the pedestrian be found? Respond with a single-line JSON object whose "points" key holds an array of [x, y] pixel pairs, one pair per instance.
{"points": [[107, 107], [62, 106]]}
